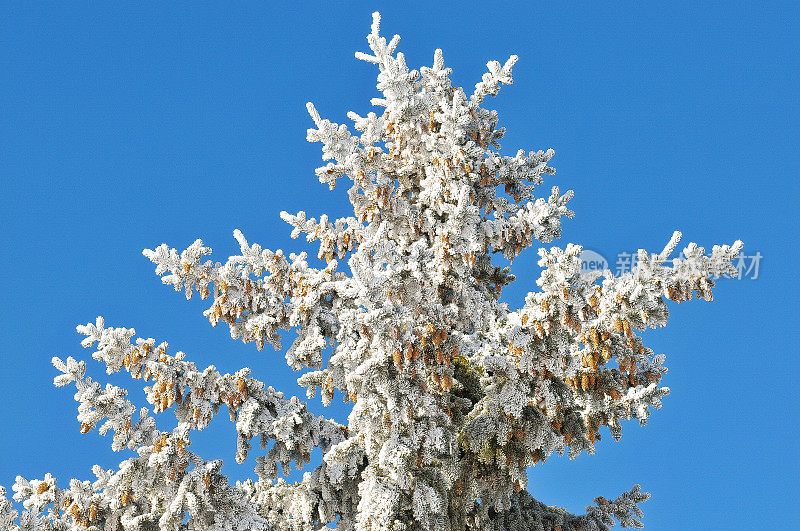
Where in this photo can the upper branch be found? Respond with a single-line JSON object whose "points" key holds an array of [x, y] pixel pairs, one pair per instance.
{"points": [[293, 294]]}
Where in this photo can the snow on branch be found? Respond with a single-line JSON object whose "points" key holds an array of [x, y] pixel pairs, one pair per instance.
{"points": [[259, 411], [454, 394], [163, 484]]}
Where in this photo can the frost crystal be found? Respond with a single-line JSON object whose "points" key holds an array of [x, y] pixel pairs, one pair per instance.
{"points": [[454, 395]]}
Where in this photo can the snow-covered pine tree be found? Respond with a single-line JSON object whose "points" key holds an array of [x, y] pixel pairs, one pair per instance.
{"points": [[454, 395]]}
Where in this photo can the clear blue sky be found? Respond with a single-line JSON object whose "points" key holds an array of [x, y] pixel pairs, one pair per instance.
{"points": [[124, 125]]}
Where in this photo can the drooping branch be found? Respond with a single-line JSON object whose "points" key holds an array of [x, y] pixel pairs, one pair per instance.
{"points": [[160, 486], [259, 411], [525, 512]]}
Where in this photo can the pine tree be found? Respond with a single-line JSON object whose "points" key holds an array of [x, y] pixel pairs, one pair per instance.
{"points": [[454, 395]]}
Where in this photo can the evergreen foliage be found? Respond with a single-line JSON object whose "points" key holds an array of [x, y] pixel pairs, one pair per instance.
{"points": [[454, 394]]}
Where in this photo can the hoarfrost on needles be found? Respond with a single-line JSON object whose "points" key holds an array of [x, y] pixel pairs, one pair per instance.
{"points": [[454, 395]]}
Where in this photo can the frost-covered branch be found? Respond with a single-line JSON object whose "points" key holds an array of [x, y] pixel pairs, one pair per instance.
{"points": [[524, 512], [160, 486], [259, 411]]}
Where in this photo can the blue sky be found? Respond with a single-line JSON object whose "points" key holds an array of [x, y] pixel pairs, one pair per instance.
{"points": [[126, 125]]}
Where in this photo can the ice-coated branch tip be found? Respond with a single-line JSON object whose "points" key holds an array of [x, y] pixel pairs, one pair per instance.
{"points": [[392, 44], [438, 59], [376, 23], [673, 242], [366, 57], [239, 237], [313, 112]]}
